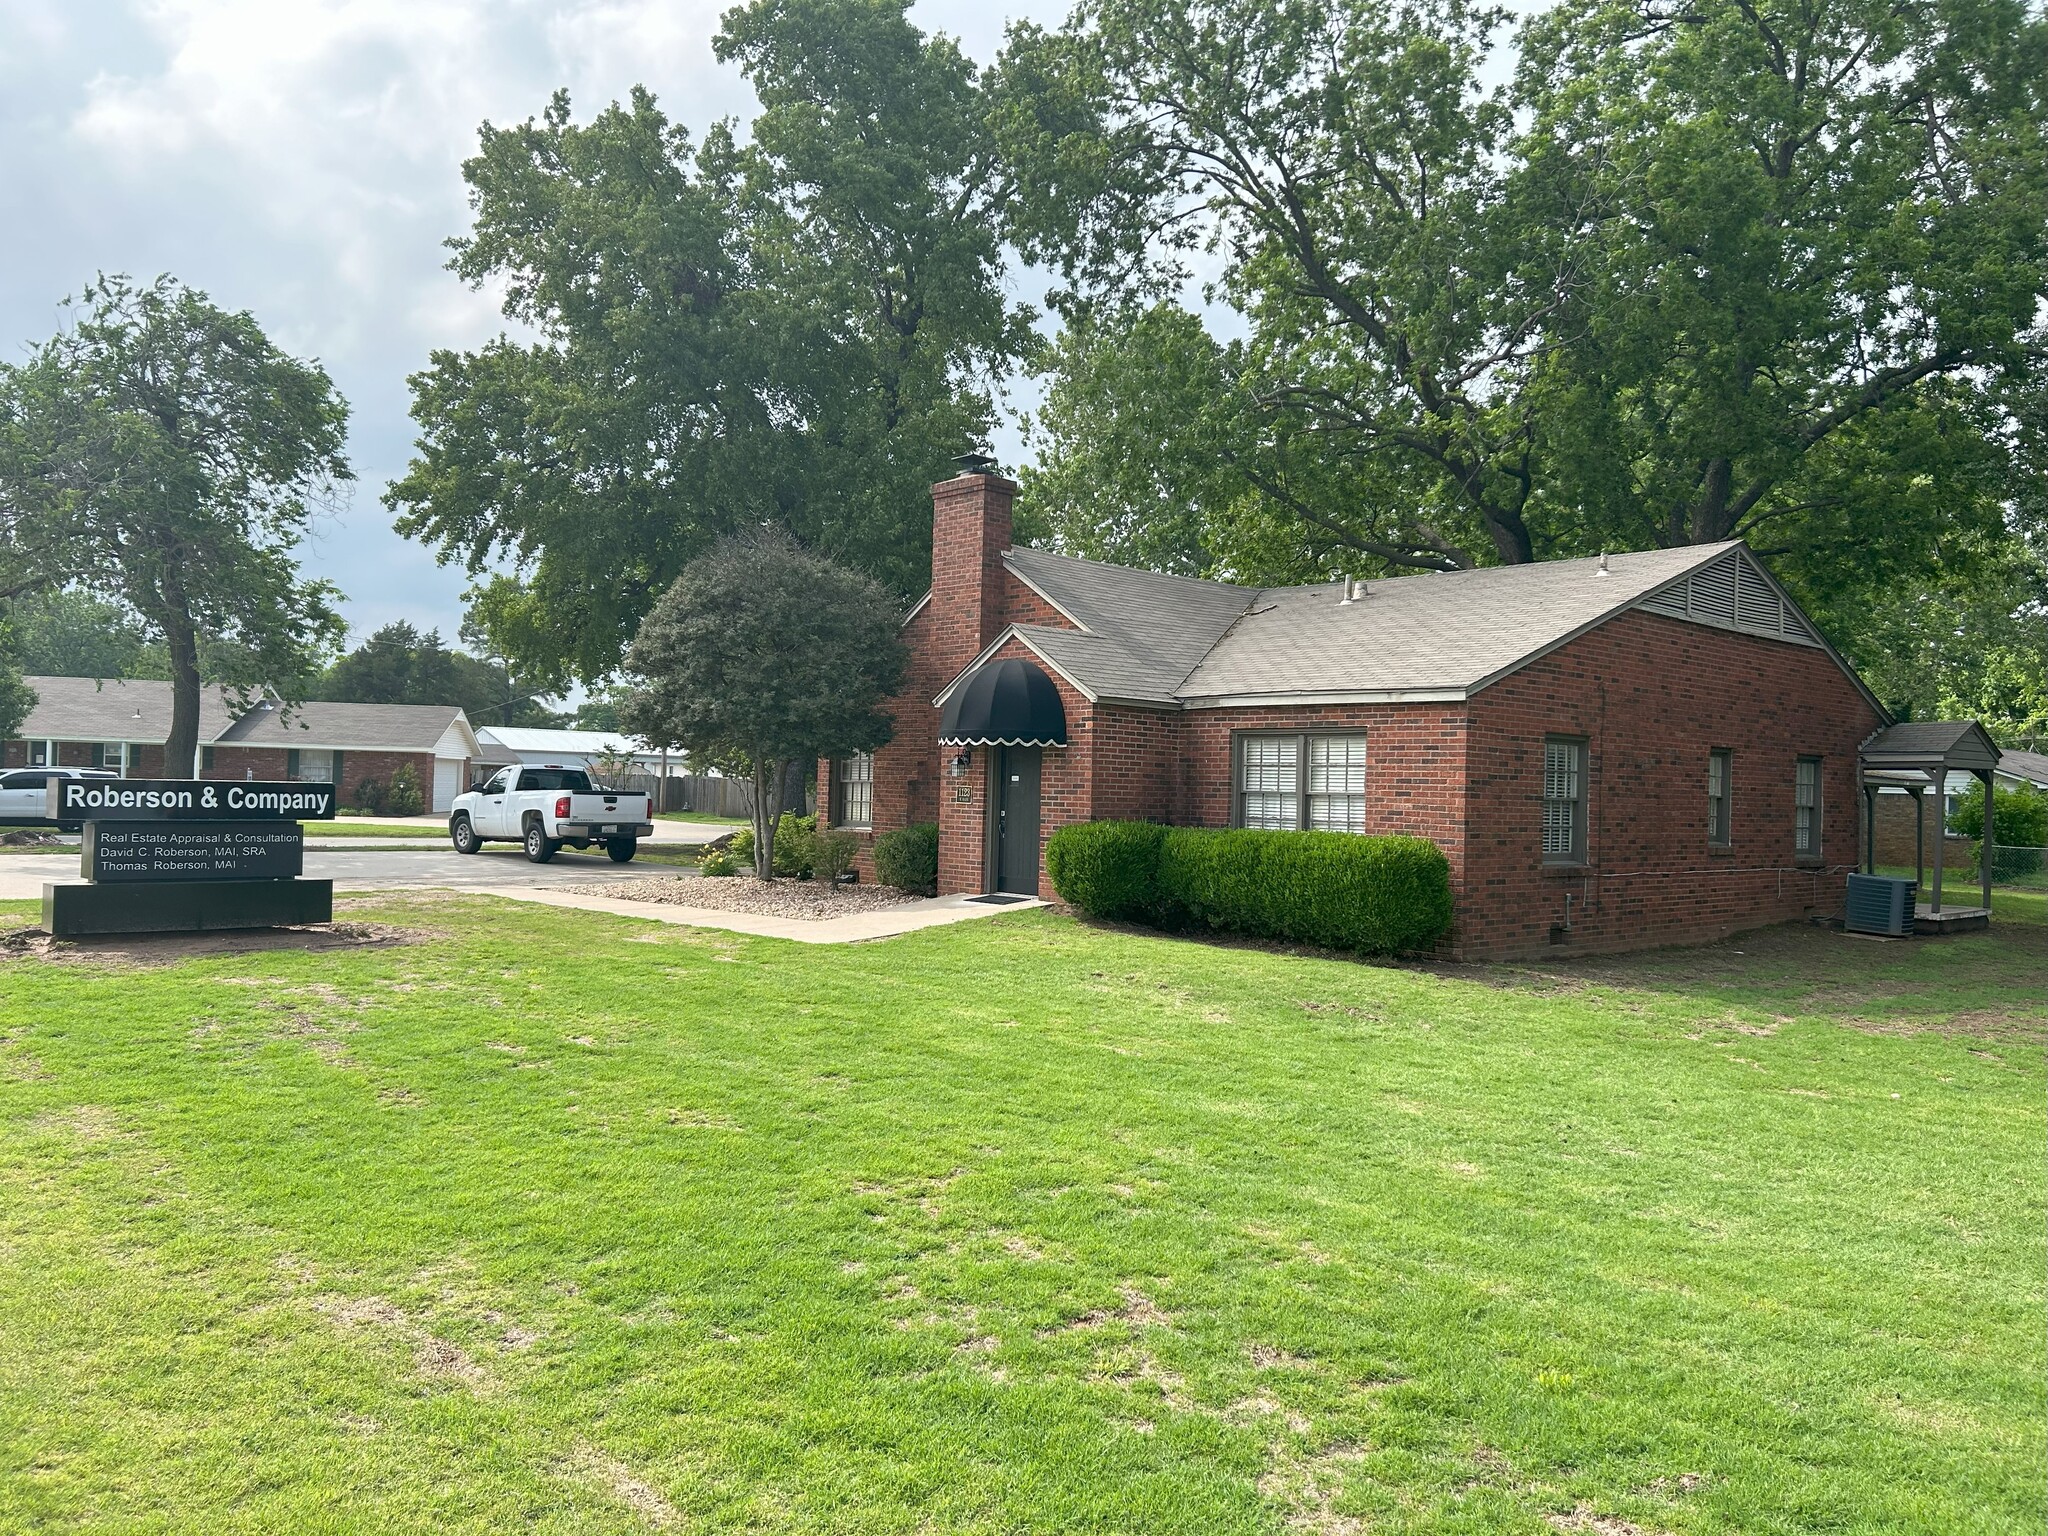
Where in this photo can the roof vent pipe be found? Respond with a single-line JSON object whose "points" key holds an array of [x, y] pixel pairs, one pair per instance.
{"points": [[1603, 571], [1354, 592]]}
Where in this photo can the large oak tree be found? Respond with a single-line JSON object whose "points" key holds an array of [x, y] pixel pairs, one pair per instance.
{"points": [[163, 455], [797, 329], [1706, 268]]}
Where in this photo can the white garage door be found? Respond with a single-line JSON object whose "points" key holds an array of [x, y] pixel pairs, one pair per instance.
{"points": [[447, 783]]}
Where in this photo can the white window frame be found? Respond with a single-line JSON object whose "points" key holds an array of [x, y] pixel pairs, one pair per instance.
{"points": [[848, 785], [1292, 783], [1720, 798], [1806, 822], [1574, 850]]}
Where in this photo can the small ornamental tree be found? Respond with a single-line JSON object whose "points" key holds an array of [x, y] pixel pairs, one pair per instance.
{"points": [[767, 655]]}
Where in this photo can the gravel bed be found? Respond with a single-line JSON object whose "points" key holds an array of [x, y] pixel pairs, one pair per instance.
{"points": [[743, 893]]}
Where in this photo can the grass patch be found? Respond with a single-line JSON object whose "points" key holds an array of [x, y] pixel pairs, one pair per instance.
{"points": [[704, 818], [559, 1222]]}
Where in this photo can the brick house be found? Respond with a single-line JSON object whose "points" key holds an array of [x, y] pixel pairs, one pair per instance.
{"points": [[1637, 749], [121, 726]]}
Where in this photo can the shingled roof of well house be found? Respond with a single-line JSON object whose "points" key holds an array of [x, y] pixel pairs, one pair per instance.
{"points": [[361, 727], [113, 709], [1161, 639]]}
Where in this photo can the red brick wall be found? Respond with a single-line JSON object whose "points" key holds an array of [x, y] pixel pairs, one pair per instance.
{"points": [[1651, 696], [974, 598], [1065, 789], [1895, 826]]}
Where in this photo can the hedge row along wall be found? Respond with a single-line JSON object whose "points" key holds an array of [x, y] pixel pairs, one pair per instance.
{"points": [[1375, 895]]}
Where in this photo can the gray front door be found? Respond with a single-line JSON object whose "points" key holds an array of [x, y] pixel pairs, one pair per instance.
{"points": [[1017, 820]]}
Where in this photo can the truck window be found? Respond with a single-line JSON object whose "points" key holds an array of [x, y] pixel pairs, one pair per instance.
{"points": [[574, 780]]}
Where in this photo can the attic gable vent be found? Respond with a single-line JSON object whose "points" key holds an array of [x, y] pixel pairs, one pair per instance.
{"points": [[1734, 593]]}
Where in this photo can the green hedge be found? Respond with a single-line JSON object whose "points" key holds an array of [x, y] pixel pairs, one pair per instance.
{"points": [[1108, 869], [1376, 895], [908, 859]]}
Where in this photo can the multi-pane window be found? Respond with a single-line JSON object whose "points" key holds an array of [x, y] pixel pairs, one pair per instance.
{"points": [[1296, 783], [853, 788], [111, 756], [1269, 783], [1720, 774], [1336, 783], [1564, 801], [1806, 808]]}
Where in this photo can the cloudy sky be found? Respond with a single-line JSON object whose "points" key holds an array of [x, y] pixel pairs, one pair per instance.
{"points": [[299, 159]]}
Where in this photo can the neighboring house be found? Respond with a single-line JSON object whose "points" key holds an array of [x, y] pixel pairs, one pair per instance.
{"points": [[349, 743], [122, 725], [2016, 767], [83, 722], [1653, 747]]}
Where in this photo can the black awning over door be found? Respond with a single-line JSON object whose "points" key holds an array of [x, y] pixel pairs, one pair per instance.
{"points": [[1009, 703]]}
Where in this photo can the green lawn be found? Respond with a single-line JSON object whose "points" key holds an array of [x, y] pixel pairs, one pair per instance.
{"points": [[562, 1223], [704, 818]]}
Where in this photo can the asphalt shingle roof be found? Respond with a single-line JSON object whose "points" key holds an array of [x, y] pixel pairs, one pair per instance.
{"points": [[361, 727], [1917, 743], [2031, 766], [135, 709], [1150, 629], [1164, 639]]}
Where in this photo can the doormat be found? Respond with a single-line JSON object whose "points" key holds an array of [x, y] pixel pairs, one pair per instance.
{"points": [[998, 901]]}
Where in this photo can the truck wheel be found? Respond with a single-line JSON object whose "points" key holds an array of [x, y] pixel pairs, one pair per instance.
{"points": [[463, 835], [539, 846], [622, 849]]}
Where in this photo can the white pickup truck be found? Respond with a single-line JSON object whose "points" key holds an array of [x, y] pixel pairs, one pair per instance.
{"points": [[544, 807]]}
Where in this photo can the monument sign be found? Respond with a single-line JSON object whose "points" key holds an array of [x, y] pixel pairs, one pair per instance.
{"points": [[181, 855]]}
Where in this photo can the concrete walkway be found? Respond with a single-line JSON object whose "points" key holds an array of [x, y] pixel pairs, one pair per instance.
{"points": [[854, 928]]}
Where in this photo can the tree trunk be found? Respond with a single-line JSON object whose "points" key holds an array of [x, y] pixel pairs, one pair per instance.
{"points": [[181, 751], [767, 808]]}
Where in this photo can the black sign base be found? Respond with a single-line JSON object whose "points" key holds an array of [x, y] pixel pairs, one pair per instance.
{"points": [[195, 906]]}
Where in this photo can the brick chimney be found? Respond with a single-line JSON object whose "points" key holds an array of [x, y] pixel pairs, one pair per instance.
{"points": [[970, 531]]}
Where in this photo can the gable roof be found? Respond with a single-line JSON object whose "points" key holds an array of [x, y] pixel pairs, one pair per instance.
{"points": [[1149, 630], [1445, 635], [115, 709], [350, 727], [1930, 744], [1174, 642]]}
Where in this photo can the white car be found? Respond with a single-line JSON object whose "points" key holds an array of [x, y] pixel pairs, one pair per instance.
{"points": [[24, 795], [546, 806]]}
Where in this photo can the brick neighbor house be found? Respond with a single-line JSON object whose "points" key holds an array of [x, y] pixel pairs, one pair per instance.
{"points": [[1637, 749], [121, 726]]}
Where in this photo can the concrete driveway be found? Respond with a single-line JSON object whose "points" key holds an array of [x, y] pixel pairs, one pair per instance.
{"points": [[383, 869]]}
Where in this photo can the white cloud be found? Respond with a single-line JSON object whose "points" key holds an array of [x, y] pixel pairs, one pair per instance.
{"points": [[301, 159]]}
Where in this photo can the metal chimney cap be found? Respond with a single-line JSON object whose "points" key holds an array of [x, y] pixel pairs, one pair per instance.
{"points": [[976, 463]]}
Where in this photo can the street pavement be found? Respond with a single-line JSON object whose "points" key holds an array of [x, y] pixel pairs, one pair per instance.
{"points": [[382, 869]]}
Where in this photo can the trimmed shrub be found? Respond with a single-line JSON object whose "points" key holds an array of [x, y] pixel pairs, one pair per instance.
{"points": [[908, 859], [742, 848], [1107, 869], [1376, 895], [370, 797], [796, 840], [832, 853], [402, 797], [718, 863]]}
